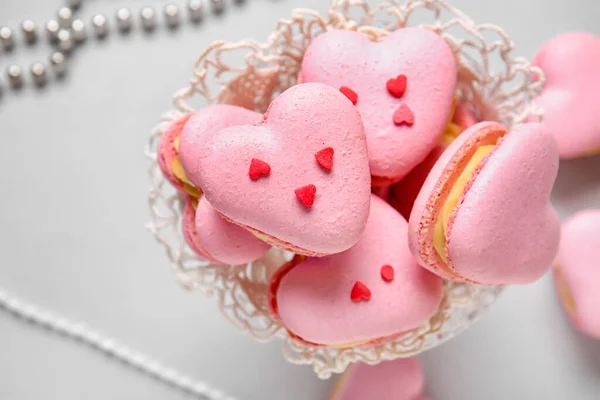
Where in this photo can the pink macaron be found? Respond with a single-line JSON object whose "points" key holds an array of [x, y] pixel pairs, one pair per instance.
{"points": [[204, 123], [299, 179], [400, 379], [366, 295], [217, 240], [571, 92], [483, 214], [403, 87], [577, 271], [169, 161]]}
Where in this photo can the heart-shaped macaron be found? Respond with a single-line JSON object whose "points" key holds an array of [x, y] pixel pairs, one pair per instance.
{"points": [[403, 87], [577, 270], [483, 214], [299, 204], [202, 125], [216, 240], [400, 379], [571, 93], [368, 294]]}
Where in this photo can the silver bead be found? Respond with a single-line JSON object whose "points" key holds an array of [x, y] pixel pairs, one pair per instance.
{"points": [[7, 38], [218, 6], [148, 18], [78, 30], [124, 20], [65, 17], [29, 31], [195, 10], [171, 12], [15, 76], [38, 73], [52, 28], [65, 41], [58, 62], [74, 4], [100, 25]]}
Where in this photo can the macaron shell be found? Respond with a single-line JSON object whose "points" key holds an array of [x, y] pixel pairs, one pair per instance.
{"points": [[202, 125], [188, 227], [571, 93], [578, 263], [166, 152], [313, 299], [464, 116], [348, 58], [299, 123], [400, 379], [504, 229], [225, 242]]}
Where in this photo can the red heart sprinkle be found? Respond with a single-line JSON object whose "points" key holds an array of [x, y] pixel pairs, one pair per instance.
{"points": [[325, 157], [258, 168], [404, 115], [306, 194], [360, 292], [396, 86], [387, 273], [349, 93]]}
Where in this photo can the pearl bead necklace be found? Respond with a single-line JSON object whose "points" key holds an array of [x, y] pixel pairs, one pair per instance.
{"points": [[108, 346], [66, 32]]}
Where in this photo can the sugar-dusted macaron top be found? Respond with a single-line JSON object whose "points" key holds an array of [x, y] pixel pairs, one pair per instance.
{"points": [[374, 290], [484, 213], [571, 93], [203, 124], [578, 270], [403, 87], [400, 379], [300, 176]]}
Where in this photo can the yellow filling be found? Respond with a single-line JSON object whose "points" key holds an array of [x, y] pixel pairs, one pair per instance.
{"points": [[565, 293], [451, 132], [179, 172], [439, 234], [594, 151], [348, 345]]}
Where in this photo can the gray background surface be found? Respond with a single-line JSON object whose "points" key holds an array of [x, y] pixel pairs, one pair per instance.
{"points": [[72, 237]]}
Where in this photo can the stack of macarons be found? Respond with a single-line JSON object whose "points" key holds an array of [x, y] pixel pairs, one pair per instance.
{"points": [[378, 178], [569, 99]]}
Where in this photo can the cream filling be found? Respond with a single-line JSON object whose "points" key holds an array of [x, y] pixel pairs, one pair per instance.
{"points": [[441, 226], [564, 292], [179, 172]]}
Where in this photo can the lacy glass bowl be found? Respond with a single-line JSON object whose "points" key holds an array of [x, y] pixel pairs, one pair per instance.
{"points": [[250, 74]]}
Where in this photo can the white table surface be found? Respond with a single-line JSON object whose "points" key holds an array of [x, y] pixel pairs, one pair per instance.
{"points": [[72, 237]]}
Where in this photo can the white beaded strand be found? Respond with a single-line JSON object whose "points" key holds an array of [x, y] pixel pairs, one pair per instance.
{"points": [[52, 28], [29, 30], [67, 31], [195, 10], [108, 346], [148, 18], [7, 39], [171, 12]]}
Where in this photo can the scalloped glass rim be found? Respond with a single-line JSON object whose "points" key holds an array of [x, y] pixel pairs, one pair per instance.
{"points": [[257, 74]]}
